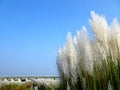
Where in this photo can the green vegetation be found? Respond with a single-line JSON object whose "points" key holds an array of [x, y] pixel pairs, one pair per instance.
{"points": [[16, 86]]}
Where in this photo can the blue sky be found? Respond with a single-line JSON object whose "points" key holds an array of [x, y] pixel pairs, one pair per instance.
{"points": [[31, 31]]}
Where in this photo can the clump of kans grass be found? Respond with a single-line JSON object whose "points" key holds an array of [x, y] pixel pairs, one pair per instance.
{"points": [[91, 64], [47, 84], [43, 84], [15, 86]]}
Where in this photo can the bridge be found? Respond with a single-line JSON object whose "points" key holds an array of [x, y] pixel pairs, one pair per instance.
{"points": [[27, 78]]}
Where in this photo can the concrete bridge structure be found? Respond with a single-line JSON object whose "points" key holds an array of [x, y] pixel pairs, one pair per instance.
{"points": [[26, 78]]}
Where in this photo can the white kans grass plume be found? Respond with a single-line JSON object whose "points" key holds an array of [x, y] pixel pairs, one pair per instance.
{"points": [[81, 50], [99, 27], [101, 32], [71, 52], [84, 50], [72, 57], [67, 59], [114, 41], [62, 62]]}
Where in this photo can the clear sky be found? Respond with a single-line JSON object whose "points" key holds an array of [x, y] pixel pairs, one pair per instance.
{"points": [[31, 31]]}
